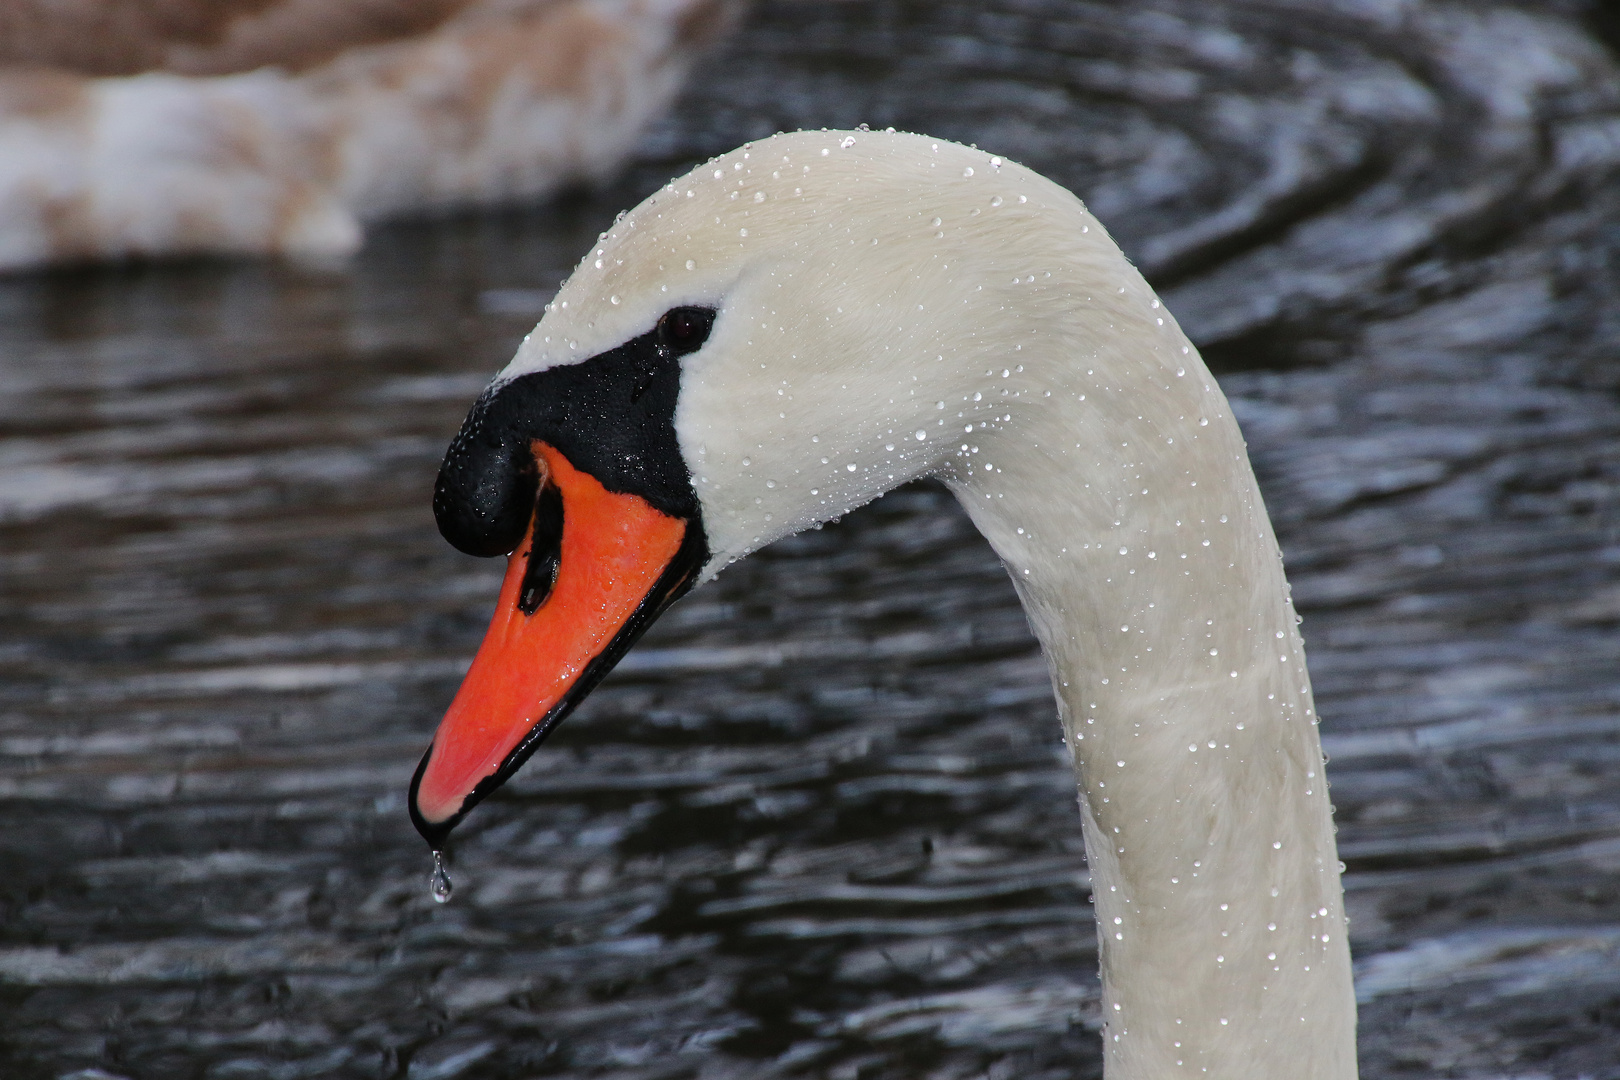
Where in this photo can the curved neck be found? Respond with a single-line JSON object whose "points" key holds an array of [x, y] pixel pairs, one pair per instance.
{"points": [[1129, 518]]}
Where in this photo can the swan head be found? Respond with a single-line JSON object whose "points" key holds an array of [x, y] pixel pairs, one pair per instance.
{"points": [[778, 337]]}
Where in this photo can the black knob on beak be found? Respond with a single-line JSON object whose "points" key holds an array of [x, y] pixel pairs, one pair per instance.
{"points": [[485, 494]]}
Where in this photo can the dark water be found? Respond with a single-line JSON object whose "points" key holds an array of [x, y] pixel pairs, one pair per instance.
{"points": [[819, 823]]}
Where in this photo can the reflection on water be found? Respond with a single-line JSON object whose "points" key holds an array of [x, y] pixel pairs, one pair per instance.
{"points": [[820, 822]]}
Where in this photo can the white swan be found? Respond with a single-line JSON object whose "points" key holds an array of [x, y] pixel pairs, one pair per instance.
{"points": [[811, 320], [283, 126]]}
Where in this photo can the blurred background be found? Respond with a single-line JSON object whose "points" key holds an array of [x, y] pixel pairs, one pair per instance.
{"points": [[820, 823]]}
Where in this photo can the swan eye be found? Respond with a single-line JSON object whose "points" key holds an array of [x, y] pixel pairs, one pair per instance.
{"points": [[684, 329]]}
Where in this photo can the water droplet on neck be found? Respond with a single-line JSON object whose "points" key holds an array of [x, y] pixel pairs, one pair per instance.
{"points": [[439, 883]]}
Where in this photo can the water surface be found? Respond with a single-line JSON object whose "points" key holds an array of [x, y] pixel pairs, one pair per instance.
{"points": [[820, 822]]}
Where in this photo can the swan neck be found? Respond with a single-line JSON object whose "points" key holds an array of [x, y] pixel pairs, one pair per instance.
{"points": [[1150, 573]]}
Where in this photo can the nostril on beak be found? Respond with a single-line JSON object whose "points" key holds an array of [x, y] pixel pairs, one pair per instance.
{"points": [[545, 550]]}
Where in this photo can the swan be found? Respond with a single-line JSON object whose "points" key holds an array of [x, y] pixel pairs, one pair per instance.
{"points": [[813, 319], [283, 126]]}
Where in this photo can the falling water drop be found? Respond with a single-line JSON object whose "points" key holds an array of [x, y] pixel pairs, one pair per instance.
{"points": [[439, 881]]}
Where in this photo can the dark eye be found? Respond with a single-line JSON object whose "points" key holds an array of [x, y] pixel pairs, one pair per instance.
{"points": [[685, 329]]}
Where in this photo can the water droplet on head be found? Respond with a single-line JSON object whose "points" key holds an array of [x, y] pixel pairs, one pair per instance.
{"points": [[968, 171], [439, 884]]}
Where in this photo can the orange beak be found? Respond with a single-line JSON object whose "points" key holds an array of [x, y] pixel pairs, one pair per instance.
{"points": [[593, 571]]}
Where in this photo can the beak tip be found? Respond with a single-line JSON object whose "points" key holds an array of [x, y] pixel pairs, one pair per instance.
{"points": [[436, 833]]}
